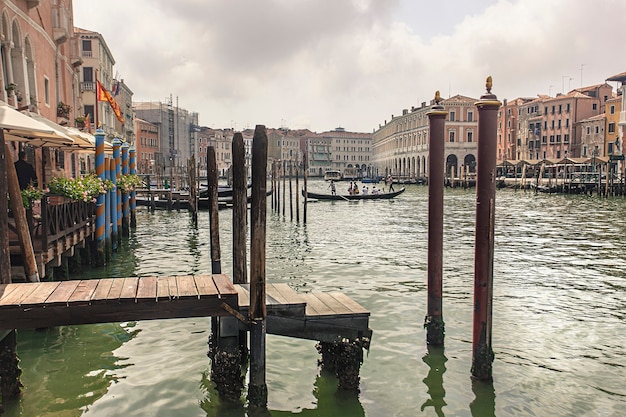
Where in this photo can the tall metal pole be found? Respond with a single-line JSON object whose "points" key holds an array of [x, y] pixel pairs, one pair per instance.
{"points": [[434, 324], [482, 353]]}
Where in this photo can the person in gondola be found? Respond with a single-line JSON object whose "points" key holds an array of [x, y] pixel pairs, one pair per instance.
{"points": [[390, 183], [333, 188]]}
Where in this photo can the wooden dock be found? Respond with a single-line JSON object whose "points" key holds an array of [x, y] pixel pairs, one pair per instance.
{"points": [[315, 316]]}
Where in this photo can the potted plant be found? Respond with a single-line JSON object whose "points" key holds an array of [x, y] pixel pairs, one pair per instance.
{"points": [[10, 87], [80, 122], [63, 110]]}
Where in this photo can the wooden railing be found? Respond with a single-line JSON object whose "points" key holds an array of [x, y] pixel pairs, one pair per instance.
{"points": [[61, 216]]}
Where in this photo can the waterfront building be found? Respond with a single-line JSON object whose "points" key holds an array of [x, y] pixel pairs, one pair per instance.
{"points": [[614, 135], [178, 130], [146, 146], [512, 141], [319, 155], [221, 140], [38, 69], [621, 106], [283, 145], [591, 133], [347, 152], [401, 146], [97, 65]]}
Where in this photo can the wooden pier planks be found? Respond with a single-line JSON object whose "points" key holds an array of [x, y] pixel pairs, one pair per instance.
{"points": [[45, 304]]}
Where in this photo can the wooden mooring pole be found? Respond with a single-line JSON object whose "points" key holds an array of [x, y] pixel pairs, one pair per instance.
{"points": [[290, 191], [482, 353], [297, 192], [434, 324], [257, 389], [21, 223], [305, 169], [5, 253]]}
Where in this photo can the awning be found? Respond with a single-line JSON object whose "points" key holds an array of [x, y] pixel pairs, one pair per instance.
{"points": [[22, 128], [86, 142]]}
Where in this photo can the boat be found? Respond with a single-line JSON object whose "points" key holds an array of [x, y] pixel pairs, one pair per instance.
{"points": [[332, 175], [183, 203], [371, 180], [351, 197]]}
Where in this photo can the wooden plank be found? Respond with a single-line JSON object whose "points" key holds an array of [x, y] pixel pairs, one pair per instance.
{"points": [[205, 285], [312, 304], [147, 289], [6, 289], [84, 291], [243, 294], [116, 289], [62, 293], [18, 294], [223, 284], [348, 302], [286, 294], [41, 293], [333, 304], [171, 282], [102, 290], [129, 289], [186, 287], [163, 289]]}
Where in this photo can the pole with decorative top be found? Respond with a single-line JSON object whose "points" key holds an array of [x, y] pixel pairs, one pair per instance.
{"points": [[434, 324], [482, 353]]}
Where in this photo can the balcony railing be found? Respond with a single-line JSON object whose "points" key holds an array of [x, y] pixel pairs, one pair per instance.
{"points": [[88, 86]]}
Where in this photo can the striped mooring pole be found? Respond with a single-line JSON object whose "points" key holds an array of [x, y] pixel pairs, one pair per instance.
{"points": [[133, 201], [100, 201], [125, 202], [116, 213]]}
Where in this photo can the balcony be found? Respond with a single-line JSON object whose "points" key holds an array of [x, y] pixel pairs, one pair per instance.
{"points": [[87, 86]]}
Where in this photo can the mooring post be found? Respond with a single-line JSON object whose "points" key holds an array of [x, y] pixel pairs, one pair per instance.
{"points": [[482, 353], [305, 169], [284, 174], [297, 191], [240, 222], [434, 324], [257, 390], [125, 199], [118, 194], [133, 194], [116, 206], [278, 175], [100, 201], [5, 252], [290, 190]]}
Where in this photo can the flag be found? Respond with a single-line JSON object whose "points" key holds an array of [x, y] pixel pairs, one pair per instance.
{"points": [[103, 95]]}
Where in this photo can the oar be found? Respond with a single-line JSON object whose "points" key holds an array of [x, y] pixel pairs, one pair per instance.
{"points": [[347, 199]]}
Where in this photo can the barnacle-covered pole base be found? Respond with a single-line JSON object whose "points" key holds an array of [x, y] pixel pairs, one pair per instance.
{"points": [[226, 371], [10, 385], [344, 359], [435, 330]]}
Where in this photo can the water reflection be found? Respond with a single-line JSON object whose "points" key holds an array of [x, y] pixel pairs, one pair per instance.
{"points": [[484, 405], [436, 361]]}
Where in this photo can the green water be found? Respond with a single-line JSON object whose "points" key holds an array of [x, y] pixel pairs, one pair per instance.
{"points": [[558, 317]]}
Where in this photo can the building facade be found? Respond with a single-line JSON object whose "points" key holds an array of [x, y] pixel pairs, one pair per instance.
{"points": [[147, 146]]}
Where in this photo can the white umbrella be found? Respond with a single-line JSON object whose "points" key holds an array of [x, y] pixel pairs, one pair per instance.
{"points": [[87, 141], [22, 128]]}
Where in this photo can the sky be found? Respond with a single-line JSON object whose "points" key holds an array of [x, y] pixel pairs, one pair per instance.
{"points": [[323, 64]]}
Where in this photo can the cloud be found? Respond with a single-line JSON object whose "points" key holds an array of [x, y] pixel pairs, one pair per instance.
{"points": [[321, 64]]}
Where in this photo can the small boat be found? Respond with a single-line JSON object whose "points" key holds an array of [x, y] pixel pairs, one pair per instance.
{"points": [[350, 197], [371, 180], [332, 175]]}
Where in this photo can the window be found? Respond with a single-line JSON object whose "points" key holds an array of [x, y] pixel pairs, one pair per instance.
{"points": [[567, 107], [558, 138], [595, 106], [611, 144], [544, 139], [597, 129], [451, 135], [46, 90], [545, 110], [470, 116], [552, 112], [566, 138], [612, 127], [552, 126], [566, 122], [89, 110], [87, 74], [452, 116], [559, 124], [560, 108], [87, 48], [551, 138], [589, 130], [470, 136]]}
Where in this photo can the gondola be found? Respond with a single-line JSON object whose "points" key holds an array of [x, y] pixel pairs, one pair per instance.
{"points": [[350, 197]]}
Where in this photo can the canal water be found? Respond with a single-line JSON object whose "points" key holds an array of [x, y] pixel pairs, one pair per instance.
{"points": [[559, 309]]}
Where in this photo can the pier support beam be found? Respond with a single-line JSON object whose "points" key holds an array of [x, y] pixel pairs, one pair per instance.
{"points": [[434, 324], [10, 385], [344, 359], [482, 353]]}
